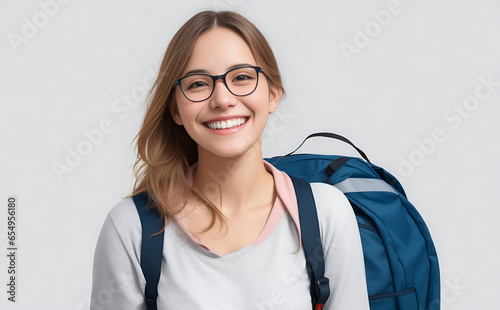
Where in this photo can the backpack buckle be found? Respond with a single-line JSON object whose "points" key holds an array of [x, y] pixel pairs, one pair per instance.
{"points": [[322, 288]]}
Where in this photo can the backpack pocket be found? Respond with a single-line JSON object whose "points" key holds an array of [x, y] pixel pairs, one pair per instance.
{"points": [[381, 291], [402, 300]]}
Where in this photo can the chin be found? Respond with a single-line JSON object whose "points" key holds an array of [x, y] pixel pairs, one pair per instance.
{"points": [[231, 151]]}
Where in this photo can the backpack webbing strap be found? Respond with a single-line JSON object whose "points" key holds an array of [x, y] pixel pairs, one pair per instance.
{"points": [[311, 241], [151, 247], [334, 166]]}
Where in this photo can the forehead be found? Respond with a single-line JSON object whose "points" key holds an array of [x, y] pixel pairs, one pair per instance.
{"points": [[217, 49]]}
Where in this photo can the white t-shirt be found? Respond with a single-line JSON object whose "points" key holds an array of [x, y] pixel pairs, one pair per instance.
{"points": [[269, 274]]}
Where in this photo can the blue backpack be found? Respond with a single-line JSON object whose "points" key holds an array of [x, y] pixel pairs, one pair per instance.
{"points": [[402, 270]]}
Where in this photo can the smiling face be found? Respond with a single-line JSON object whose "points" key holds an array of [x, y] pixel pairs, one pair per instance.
{"points": [[224, 125]]}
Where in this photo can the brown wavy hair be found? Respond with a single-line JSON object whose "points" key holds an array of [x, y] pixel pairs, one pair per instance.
{"points": [[165, 151]]}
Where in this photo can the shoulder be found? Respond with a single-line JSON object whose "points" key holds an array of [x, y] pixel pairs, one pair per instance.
{"points": [[124, 213], [122, 227], [334, 210], [330, 200]]}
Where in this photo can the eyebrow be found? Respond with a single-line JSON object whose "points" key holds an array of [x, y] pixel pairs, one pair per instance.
{"points": [[203, 71]]}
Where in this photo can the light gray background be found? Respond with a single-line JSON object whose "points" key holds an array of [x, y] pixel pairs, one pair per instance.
{"points": [[77, 67]]}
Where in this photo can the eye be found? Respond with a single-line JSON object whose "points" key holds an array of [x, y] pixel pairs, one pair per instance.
{"points": [[243, 77], [197, 84]]}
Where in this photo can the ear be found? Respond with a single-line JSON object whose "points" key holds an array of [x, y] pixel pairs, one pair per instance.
{"points": [[274, 98], [174, 112]]}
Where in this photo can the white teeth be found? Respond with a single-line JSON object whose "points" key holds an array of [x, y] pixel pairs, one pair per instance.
{"points": [[227, 124]]}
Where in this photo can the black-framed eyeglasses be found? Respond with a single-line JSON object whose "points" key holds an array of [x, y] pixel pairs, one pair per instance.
{"points": [[240, 81]]}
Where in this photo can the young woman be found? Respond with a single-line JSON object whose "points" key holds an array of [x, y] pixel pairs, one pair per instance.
{"points": [[232, 236]]}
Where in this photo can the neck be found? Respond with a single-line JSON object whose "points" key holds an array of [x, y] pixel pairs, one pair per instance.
{"points": [[234, 183]]}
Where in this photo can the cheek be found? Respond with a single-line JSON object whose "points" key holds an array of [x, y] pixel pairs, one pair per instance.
{"points": [[188, 113], [262, 103], [180, 110]]}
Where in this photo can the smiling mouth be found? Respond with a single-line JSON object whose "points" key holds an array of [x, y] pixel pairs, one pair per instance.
{"points": [[230, 123]]}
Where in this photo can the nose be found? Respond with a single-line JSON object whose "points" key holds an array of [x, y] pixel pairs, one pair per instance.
{"points": [[221, 97]]}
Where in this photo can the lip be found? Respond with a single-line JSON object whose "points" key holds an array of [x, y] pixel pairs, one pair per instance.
{"points": [[227, 131]]}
